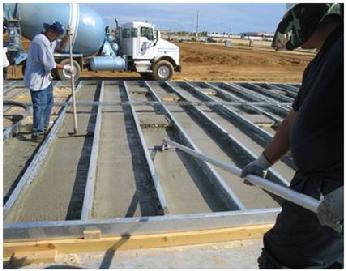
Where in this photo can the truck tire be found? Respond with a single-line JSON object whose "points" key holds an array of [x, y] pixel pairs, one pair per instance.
{"points": [[163, 70], [76, 67]]}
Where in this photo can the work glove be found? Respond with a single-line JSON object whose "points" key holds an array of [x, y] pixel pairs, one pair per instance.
{"points": [[69, 69], [258, 167], [330, 212]]}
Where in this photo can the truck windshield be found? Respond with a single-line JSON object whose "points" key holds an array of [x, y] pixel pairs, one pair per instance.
{"points": [[147, 32], [129, 33]]}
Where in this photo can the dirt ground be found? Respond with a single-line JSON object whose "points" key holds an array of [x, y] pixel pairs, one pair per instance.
{"points": [[218, 63], [215, 62]]}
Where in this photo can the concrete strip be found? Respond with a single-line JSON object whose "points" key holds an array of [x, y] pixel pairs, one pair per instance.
{"points": [[249, 130], [182, 180], [268, 92], [155, 178], [244, 155], [31, 170], [90, 183], [58, 191], [221, 189], [290, 87], [288, 92], [123, 186], [246, 93], [283, 105], [226, 96]]}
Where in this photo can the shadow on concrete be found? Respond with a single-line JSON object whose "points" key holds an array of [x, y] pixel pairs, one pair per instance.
{"points": [[144, 186], [76, 202], [133, 206], [110, 253]]}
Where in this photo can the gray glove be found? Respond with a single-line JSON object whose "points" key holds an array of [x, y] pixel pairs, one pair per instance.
{"points": [[330, 212], [258, 167]]}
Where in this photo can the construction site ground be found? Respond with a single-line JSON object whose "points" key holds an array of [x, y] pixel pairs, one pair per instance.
{"points": [[58, 190], [215, 62], [241, 254]]}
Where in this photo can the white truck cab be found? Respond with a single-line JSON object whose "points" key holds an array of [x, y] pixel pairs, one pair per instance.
{"points": [[147, 53]]}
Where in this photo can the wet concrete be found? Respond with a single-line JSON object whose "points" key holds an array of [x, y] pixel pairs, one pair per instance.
{"points": [[18, 151], [16, 154], [186, 188], [243, 137], [203, 139], [58, 189], [122, 185]]}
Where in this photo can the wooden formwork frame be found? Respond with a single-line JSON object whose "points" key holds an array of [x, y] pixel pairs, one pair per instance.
{"points": [[26, 243], [39, 241]]}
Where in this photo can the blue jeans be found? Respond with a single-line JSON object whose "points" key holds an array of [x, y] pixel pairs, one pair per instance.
{"points": [[42, 101]]}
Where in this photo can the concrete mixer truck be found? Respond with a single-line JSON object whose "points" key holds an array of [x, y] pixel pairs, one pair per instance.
{"points": [[135, 46]]}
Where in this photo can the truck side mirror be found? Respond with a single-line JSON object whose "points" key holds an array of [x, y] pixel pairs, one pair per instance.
{"points": [[156, 36]]}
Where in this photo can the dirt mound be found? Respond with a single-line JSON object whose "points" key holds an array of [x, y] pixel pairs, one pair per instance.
{"points": [[218, 63], [211, 54]]}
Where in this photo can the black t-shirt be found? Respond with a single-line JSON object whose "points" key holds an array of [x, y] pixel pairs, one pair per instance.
{"points": [[316, 139]]}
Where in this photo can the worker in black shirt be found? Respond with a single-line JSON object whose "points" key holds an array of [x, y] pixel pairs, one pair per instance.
{"points": [[313, 132]]}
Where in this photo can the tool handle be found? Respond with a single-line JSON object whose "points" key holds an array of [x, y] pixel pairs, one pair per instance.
{"points": [[75, 125], [279, 190]]}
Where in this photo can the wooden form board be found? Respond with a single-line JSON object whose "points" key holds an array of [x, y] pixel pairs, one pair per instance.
{"points": [[36, 251]]}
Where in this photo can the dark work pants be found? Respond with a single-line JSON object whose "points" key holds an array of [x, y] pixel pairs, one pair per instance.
{"points": [[297, 239]]}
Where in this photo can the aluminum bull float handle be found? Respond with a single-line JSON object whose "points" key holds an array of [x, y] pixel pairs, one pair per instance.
{"points": [[281, 191], [75, 125]]}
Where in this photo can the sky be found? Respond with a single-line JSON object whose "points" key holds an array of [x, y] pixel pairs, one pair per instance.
{"points": [[224, 17]]}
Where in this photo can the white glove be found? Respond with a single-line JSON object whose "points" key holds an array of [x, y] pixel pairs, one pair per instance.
{"points": [[68, 68], [330, 212], [258, 167]]}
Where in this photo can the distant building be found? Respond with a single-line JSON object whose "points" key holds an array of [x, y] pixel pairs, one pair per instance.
{"points": [[257, 36], [217, 35]]}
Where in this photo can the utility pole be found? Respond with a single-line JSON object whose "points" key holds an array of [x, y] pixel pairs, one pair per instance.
{"points": [[193, 24], [197, 27]]}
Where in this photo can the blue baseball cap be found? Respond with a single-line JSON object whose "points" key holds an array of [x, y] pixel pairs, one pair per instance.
{"points": [[56, 27]]}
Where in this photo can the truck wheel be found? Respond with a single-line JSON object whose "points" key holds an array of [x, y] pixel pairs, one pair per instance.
{"points": [[163, 70], [77, 69]]}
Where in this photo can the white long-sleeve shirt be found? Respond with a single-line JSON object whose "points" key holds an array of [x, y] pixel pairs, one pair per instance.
{"points": [[39, 63]]}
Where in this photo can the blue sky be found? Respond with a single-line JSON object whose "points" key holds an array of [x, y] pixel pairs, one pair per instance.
{"points": [[225, 17]]}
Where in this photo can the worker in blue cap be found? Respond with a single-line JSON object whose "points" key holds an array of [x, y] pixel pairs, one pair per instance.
{"points": [[37, 77], [313, 132]]}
